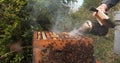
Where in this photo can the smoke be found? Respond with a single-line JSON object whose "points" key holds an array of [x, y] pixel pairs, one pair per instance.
{"points": [[82, 30], [75, 32], [36, 8], [59, 10]]}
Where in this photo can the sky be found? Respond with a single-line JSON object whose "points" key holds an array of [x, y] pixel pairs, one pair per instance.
{"points": [[75, 6]]}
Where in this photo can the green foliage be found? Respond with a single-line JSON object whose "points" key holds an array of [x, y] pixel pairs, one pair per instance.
{"points": [[14, 26], [117, 60], [88, 3]]}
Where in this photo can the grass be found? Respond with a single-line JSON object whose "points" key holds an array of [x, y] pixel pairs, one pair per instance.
{"points": [[103, 48]]}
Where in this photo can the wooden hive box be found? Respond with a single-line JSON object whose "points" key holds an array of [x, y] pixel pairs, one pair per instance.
{"points": [[49, 47]]}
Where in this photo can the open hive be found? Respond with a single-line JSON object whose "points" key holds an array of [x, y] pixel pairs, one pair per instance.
{"points": [[49, 47]]}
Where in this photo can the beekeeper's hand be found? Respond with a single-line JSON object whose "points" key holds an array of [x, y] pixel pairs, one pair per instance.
{"points": [[102, 7]]}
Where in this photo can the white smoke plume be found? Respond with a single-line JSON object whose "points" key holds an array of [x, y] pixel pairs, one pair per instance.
{"points": [[59, 10]]}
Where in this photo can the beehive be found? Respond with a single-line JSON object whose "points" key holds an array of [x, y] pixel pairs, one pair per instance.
{"points": [[49, 47]]}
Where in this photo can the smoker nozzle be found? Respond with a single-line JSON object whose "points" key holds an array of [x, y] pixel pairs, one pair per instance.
{"points": [[94, 28], [86, 27]]}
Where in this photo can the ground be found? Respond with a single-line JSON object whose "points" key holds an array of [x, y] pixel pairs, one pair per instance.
{"points": [[103, 49]]}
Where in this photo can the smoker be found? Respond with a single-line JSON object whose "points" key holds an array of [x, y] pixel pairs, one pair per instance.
{"points": [[93, 28], [96, 29], [101, 26], [117, 32]]}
